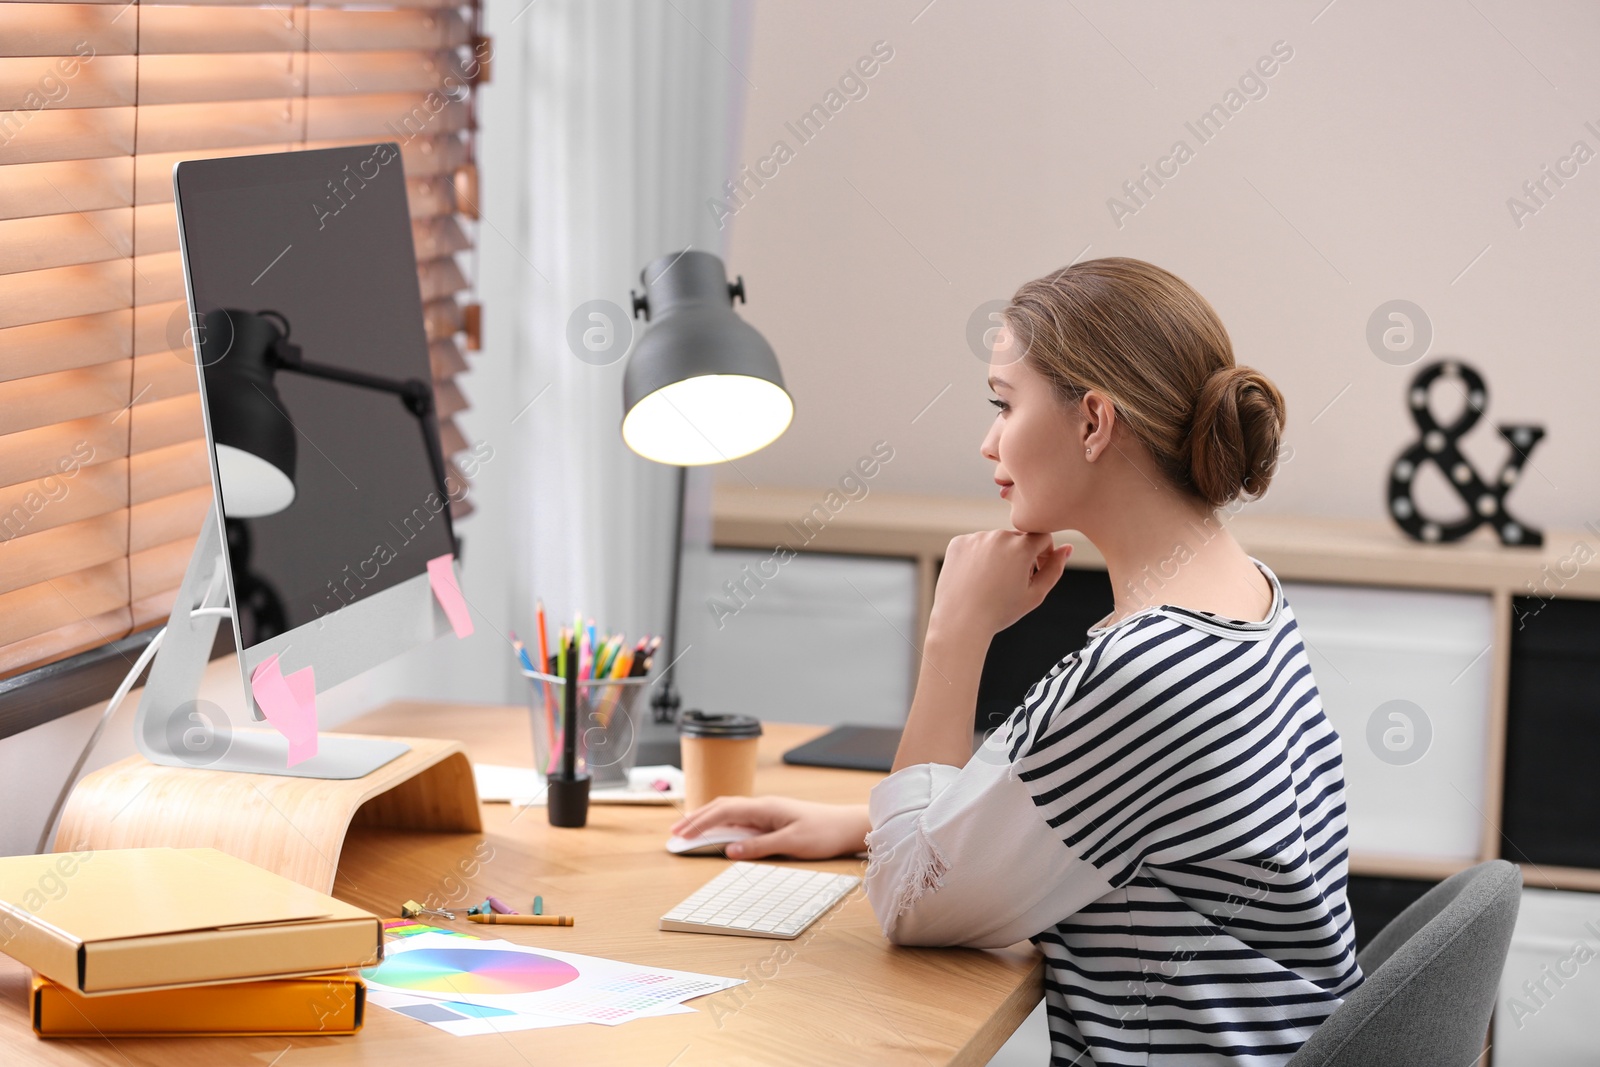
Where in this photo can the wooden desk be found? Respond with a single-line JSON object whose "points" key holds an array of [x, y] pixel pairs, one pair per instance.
{"points": [[840, 994]]}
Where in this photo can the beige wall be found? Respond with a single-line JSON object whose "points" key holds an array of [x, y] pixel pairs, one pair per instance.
{"points": [[1377, 166]]}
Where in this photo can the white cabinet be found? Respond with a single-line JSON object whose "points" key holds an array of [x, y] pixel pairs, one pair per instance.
{"points": [[818, 638], [1550, 989], [1404, 677]]}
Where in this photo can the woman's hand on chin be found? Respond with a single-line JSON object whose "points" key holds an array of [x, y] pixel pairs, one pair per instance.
{"points": [[991, 579], [803, 829]]}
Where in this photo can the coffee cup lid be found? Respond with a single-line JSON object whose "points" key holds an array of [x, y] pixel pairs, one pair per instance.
{"points": [[693, 722]]}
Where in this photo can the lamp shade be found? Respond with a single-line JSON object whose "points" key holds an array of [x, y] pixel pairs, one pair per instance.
{"points": [[702, 385], [254, 438]]}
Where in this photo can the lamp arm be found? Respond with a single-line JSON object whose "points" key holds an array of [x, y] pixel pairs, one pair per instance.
{"points": [[413, 392], [430, 440], [665, 702], [402, 388]]}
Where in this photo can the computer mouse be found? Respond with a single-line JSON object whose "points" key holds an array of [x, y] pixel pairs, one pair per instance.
{"points": [[711, 843]]}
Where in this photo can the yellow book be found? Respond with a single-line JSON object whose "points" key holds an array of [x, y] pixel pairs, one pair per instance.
{"points": [[320, 1005], [126, 920]]}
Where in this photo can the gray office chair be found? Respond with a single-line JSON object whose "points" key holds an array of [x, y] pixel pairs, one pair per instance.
{"points": [[1431, 978]]}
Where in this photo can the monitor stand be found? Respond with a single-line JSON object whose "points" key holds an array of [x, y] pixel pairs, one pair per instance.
{"points": [[194, 786], [294, 826], [173, 730]]}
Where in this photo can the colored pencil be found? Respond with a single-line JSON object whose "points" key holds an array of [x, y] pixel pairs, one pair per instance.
{"points": [[544, 640], [618, 668], [549, 694], [564, 653], [601, 654], [581, 647], [521, 650]]}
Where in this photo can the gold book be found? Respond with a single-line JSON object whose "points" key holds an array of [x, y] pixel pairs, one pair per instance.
{"points": [[286, 1007], [124, 920]]}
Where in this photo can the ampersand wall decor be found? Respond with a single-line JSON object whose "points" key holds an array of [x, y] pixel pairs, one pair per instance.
{"points": [[1437, 445]]}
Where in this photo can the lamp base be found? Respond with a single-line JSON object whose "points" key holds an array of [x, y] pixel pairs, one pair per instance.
{"points": [[567, 800]]}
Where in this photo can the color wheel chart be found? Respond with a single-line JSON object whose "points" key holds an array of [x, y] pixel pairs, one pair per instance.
{"points": [[540, 986], [473, 972]]}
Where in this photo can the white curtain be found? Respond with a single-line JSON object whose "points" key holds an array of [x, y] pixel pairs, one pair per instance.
{"points": [[633, 117]]}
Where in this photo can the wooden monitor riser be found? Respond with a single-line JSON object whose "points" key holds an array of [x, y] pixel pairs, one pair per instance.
{"points": [[293, 826]]}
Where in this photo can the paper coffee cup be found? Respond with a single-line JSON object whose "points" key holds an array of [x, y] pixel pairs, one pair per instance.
{"points": [[719, 756]]}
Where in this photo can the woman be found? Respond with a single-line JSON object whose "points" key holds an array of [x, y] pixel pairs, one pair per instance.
{"points": [[1163, 816]]}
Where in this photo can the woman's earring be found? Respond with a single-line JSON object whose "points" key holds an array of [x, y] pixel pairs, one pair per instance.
{"points": [[1088, 453]]}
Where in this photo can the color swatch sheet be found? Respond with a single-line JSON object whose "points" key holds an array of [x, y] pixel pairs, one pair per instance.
{"points": [[564, 986], [468, 1020]]}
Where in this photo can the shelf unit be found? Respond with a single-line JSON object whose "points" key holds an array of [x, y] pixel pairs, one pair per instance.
{"points": [[1354, 552]]}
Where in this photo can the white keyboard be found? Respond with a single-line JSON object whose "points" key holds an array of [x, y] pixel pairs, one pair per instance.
{"points": [[760, 900]]}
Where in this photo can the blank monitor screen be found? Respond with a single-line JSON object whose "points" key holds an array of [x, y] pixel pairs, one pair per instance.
{"points": [[322, 241]]}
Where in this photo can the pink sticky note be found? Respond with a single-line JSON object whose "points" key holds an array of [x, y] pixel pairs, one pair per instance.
{"points": [[290, 704], [442, 576]]}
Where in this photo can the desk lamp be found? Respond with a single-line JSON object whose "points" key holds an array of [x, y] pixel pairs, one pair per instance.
{"points": [[702, 386]]}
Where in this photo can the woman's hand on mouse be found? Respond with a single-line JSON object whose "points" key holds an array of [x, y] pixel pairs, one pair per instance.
{"points": [[992, 578], [803, 829]]}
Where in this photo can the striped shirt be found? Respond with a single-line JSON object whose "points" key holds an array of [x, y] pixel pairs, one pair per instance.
{"points": [[1163, 817]]}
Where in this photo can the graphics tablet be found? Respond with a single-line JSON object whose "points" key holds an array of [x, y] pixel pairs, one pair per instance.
{"points": [[853, 748]]}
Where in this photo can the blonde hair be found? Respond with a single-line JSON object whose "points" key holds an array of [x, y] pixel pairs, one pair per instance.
{"points": [[1146, 340]]}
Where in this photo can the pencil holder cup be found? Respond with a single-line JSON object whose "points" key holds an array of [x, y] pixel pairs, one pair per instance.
{"points": [[606, 742]]}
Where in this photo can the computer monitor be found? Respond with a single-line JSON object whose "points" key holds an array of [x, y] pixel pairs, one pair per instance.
{"points": [[330, 495]]}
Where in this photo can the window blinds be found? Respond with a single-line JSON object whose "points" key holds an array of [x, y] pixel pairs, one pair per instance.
{"points": [[103, 472]]}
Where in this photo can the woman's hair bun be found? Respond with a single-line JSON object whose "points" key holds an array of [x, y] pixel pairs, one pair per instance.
{"points": [[1235, 435], [1145, 339]]}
